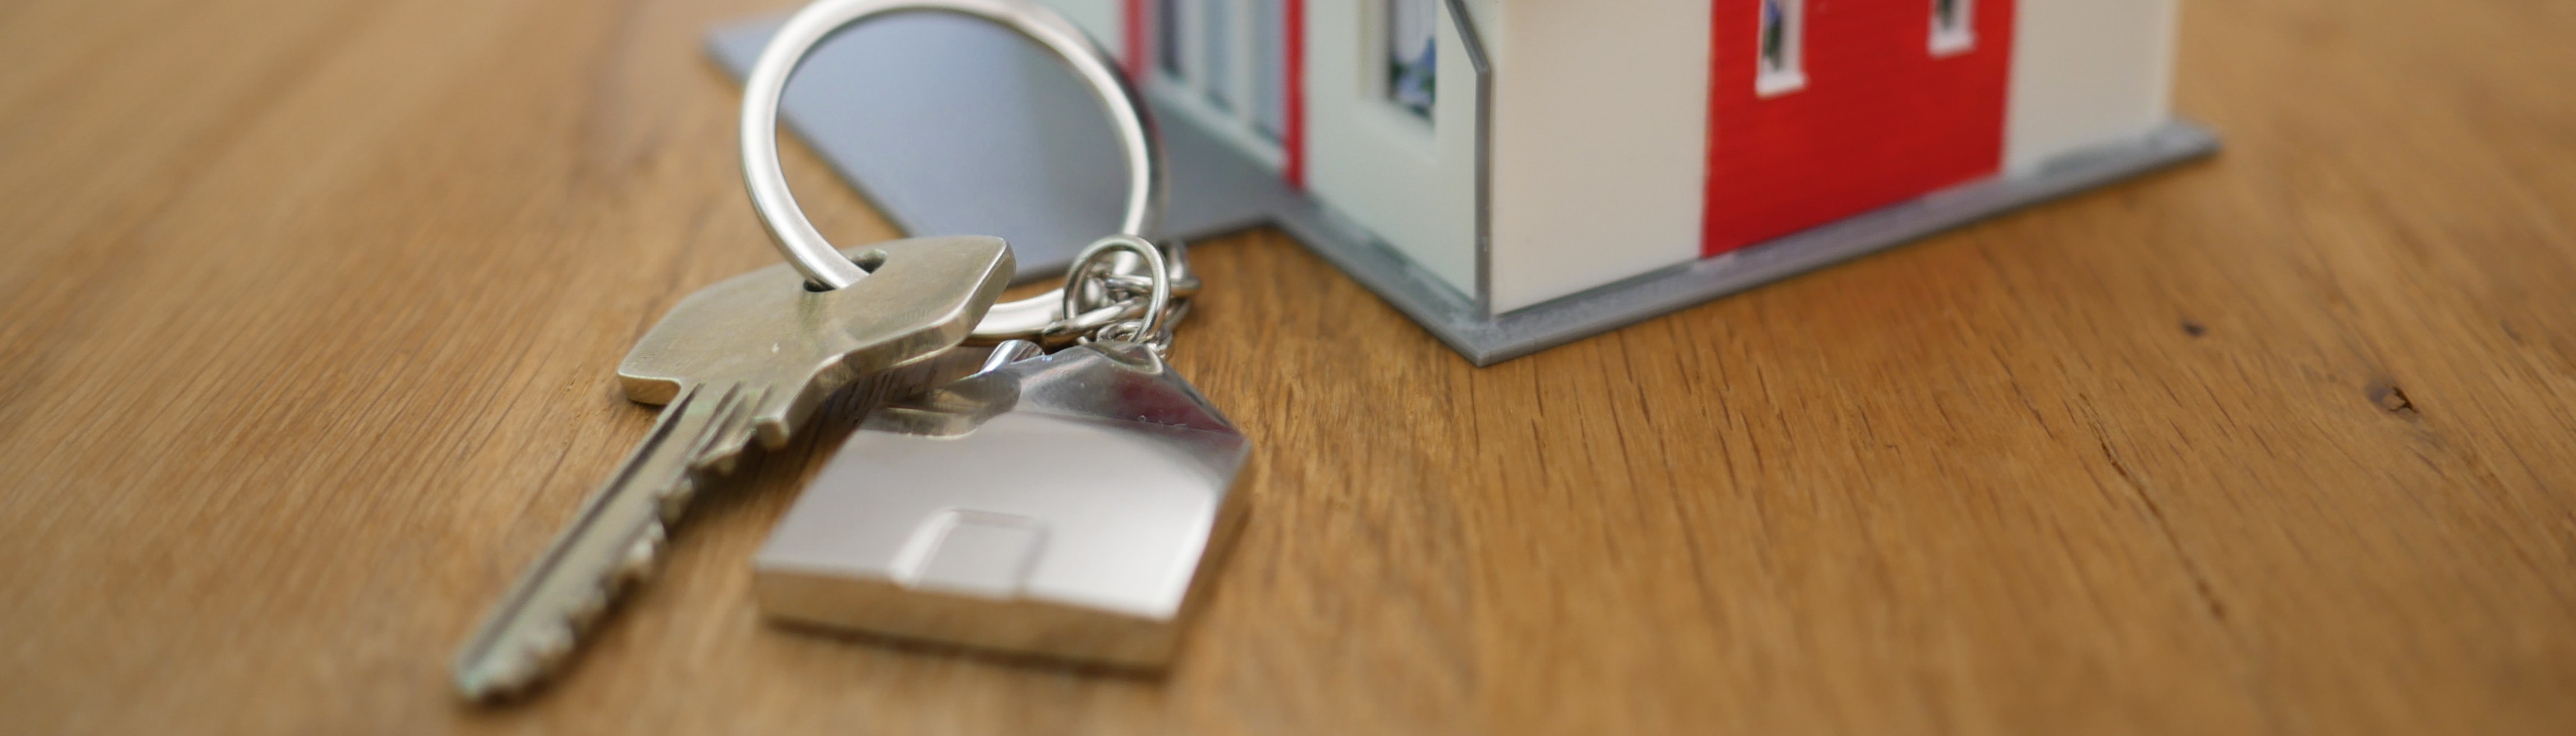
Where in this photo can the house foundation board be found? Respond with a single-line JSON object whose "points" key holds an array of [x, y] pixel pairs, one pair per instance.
{"points": [[1512, 174]]}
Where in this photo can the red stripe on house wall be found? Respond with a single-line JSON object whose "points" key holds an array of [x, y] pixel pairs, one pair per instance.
{"points": [[1880, 121], [1132, 29], [1293, 140]]}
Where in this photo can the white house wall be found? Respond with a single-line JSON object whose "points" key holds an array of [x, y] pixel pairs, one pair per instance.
{"points": [[1103, 19], [1411, 183], [2086, 73], [1600, 141]]}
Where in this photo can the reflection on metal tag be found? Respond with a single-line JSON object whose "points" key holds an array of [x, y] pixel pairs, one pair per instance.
{"points": [[1070, 505]]}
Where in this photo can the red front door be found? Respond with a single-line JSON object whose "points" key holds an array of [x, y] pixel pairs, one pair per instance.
{"points": [[1824, 109]]}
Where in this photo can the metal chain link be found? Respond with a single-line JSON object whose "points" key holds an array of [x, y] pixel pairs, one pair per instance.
{"points": [[1108, 299]]}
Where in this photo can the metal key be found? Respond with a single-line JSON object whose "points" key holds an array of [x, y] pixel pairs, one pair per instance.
{"points": [[750, 356]]}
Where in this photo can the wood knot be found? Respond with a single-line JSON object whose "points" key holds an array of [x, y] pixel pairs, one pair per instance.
{"points": [[2391, 398]]}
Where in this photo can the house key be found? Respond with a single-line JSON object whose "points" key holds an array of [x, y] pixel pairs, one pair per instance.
{"points": [[748, 357], [753, 355], [1071, 505]]}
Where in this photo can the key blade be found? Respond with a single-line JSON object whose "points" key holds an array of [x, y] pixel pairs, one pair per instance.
{"points": [[612, 541]]}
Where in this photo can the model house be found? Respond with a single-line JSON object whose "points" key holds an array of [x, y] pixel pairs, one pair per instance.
{"points": [[1525, 150]]}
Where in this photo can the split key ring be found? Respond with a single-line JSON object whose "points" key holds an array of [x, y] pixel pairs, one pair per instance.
{"points": [[814, 257]]}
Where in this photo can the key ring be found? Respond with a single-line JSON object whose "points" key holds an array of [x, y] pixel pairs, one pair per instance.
{"points": [[815, 257], [1103, 253]]}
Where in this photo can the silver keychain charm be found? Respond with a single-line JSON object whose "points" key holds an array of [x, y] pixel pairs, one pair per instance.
{"points": [[1071, 505]]}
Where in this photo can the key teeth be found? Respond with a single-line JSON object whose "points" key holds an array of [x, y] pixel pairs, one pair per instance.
{"points": [[547, 647], [715, 448], [586, 609], [721, 462], [543, 628], [543, 650], [675, 502], [640, 558]]}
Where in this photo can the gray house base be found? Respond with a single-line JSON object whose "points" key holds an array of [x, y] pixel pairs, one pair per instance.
{"points": [[954, 127]]}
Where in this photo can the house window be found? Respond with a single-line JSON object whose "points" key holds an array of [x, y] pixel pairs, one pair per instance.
{"points": [[1167, 37], [1220, 44], [1412, 69], [1222, 63], [1269, 68], [1954, 26], [1780, 64]]}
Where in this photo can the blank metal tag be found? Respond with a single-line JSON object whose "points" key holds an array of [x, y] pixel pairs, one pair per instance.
{"points": [[1069, 505]]}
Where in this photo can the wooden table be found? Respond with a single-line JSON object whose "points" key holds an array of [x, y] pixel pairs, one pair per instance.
{"points": [[309, 312]]}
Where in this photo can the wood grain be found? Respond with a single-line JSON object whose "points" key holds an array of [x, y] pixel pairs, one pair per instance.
{"points": [[309, 313]]}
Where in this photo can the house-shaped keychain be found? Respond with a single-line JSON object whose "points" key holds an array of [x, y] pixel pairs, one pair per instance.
{"points": [[1515, 174]]}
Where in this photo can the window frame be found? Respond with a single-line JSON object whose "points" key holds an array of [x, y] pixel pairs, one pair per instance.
{"points": [[1230, 106], [1953, 39], [1790, 75], [1382, 58]]}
